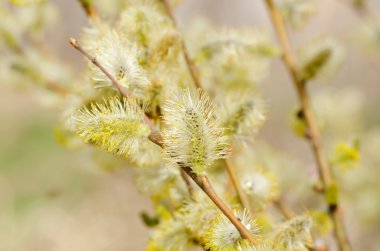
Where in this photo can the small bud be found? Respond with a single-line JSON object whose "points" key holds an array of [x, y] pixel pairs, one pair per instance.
{"points": [[298, 123], [346, 155], [319, 57], [322, 224], [332, 194]]}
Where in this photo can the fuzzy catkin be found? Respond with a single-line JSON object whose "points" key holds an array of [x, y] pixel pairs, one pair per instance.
{"points": [[117, 125], [192, 135]]}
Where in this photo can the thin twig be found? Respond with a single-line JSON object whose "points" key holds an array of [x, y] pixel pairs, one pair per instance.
{"points": [[190, 65], [235, 181], [283, 209], [155, 137], [56, 88], [196, 79], [88, 8], [187, 181], [204, 183], [324, 170]]}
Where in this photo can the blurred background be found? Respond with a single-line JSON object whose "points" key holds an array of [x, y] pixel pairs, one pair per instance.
{"points": [[52, 198]]}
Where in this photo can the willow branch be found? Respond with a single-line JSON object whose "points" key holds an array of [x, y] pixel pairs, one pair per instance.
{"points": [[155, 137], [196, 79], [188, 184], [155, 134], [190, 65], [56, 88], [324, 170], [283, 209], [235, 181], [88, 8], [204, 183]]}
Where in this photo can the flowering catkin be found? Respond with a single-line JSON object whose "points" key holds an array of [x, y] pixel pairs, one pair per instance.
{"points": [[260, 186], [117, 125], [223, 236], [295, 234], [322, 56], [297, 12], [192, 135], [120, 58], [242, 113]]}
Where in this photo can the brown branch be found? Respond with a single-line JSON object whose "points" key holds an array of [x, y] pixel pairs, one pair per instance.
{"points": [[155, 137], [190, 65], [324, 170], [195, 77], [56, 88], [235, 181], [283, 209], [88, 8], [204, 183], [187, 181]]}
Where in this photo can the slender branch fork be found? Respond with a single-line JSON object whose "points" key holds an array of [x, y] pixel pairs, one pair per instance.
{"points": [[90, 11], [324, 169], [155, 136], [195, 77]]}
